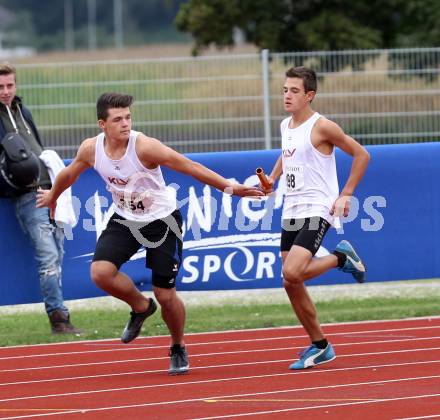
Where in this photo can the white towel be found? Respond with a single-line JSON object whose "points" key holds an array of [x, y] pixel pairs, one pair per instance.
{"points": [[64, 212]]}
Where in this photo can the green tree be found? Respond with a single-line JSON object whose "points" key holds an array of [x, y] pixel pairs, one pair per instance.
{"points": [[419, 25], [299, 25]]}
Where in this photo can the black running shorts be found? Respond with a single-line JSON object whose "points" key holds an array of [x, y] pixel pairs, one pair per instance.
{"points": [[161, 238], [307, 233]]}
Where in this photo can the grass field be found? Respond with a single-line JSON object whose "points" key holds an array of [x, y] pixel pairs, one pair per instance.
{"points": [[104, 318]]}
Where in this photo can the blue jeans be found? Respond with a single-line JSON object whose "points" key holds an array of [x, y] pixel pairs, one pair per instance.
{"points": [[47, 241]]}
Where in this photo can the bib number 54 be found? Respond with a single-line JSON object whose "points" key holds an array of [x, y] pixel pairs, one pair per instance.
{"points": [[132, 205]]}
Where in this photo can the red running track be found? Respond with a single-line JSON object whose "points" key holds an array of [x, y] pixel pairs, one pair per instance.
{"points": [[383, 370]]}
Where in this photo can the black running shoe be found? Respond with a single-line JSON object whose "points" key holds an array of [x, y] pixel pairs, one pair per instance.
{"points": [[178, 360], [134, 324]]}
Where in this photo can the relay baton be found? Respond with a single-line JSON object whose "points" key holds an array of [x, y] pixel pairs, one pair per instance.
{"points": [[263, 178]]}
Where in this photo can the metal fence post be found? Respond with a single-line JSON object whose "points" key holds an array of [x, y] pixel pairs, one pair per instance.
{"points": [[266, 99]]}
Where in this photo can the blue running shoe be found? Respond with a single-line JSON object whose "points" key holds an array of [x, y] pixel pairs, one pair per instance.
{"points": [[353, 263], [312, 356]]}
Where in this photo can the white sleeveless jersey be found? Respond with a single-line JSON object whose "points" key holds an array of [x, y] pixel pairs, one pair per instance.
{"points": [[309, 176], [139, 193]]}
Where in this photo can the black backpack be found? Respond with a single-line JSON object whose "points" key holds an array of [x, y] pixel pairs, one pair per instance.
{"points": [[19, 166]]}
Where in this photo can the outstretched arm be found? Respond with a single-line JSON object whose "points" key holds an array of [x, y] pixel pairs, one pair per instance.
{"points": [[152, 151], [67, 176]]}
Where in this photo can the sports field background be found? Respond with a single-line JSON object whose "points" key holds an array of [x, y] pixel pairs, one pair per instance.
{"points": [[104, 318], [185, 103], [227, 102], [390, 290]]}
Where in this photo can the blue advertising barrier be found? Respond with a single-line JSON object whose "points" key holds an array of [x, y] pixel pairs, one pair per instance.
{"points": [[233, 243]]}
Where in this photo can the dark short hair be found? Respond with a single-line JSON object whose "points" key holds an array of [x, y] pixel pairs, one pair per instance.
{"points": [[6, 69], [111, 100], [307, 75]]}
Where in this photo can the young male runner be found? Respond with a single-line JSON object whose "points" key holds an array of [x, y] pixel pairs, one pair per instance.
{"points": [[145, 214], [312, 201]]}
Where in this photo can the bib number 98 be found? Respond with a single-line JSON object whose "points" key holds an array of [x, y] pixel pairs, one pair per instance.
{"points": [[290, 181]]}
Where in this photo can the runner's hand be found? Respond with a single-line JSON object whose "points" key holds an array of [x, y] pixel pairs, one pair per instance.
{"points": [[244, 191], [44, 199], [341, 207]]}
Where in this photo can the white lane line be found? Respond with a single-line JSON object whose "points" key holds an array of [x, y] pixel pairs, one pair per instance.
{"points": [[144, 372], [110, 362], [285, 410], [433, 416], [209, 343], [286, 327], [208, 381], [163, 403]]}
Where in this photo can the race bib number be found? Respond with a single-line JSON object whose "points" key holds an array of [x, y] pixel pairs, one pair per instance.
{"points": [[133, 203], [294, 178]]}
